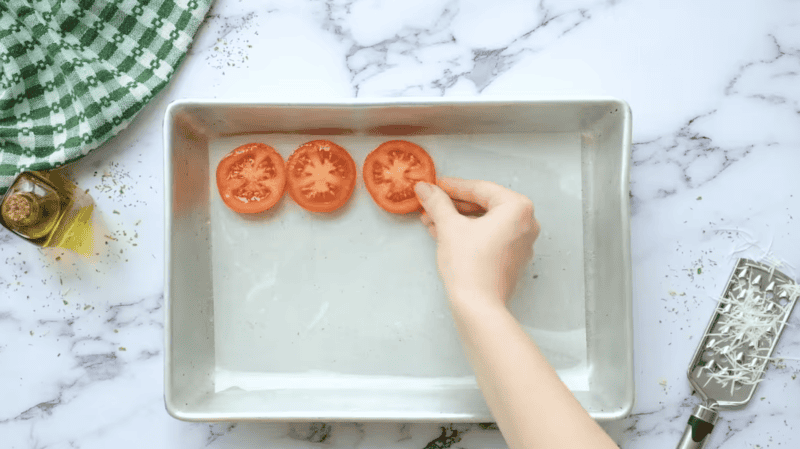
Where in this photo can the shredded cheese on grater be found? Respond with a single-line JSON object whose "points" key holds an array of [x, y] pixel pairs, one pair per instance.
{"points": [[749, 322]]}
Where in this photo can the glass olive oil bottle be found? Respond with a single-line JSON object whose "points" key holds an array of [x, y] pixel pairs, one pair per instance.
{"points": [[48, 210]]}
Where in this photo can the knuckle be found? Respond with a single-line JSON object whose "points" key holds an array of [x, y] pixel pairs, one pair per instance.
{"points": [[488, 187], [525, 206], [527, 220]]}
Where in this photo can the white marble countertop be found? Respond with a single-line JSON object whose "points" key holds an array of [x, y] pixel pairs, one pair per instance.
{"points": [[714, 91]]}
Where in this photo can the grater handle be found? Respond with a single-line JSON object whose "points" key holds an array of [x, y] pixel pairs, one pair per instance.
{"points": [[699, 427]]}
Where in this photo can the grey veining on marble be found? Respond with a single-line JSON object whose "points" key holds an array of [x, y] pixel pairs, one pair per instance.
{"points": [[714, 91]]}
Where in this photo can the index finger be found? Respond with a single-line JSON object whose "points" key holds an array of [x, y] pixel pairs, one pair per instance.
{"points": [[486, 194]]}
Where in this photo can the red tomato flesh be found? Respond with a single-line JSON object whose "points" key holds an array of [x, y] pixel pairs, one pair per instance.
{"points": [[251, 178], [321, 176], [392, 170]]}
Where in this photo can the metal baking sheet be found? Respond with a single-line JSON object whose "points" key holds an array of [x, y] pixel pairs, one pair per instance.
{"points": [[293, 315]]}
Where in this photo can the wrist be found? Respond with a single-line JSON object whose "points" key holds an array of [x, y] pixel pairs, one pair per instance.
{"points": [[476, 302]]}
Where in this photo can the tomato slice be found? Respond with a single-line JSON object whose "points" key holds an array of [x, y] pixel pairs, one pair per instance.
{"points": [[251, 178], [321, 176], [390, 172]]}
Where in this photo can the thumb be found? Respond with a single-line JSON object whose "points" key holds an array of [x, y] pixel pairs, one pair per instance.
{"points": [[435, 201]]}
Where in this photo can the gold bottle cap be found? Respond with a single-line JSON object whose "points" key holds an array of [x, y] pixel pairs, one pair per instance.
{"points": [[19, 208]]}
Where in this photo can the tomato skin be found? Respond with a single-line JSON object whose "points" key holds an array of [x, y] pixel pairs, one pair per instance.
{"points": [[391, 171], [252, 169], [321, 176]]}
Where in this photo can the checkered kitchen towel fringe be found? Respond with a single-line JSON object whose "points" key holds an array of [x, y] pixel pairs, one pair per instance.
{"points": [[74, 73]]}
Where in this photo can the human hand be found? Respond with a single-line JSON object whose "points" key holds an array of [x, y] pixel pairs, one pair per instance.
{"points": [[478, 257]]}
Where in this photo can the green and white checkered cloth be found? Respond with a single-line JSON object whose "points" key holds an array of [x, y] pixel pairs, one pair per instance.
{"points": [[74, 73]]}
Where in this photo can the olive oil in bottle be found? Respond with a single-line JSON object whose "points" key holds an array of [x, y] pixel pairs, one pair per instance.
{"points": [[48, 210]]}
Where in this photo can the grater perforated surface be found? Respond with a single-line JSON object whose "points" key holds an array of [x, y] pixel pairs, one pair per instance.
{"points": [[751, 314]]}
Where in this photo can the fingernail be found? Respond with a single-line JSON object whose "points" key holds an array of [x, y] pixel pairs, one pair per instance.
{"points": [[423, 190]]}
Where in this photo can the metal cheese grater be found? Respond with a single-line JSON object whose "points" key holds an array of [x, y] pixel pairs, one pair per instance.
{"points": [[732, 355]]}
